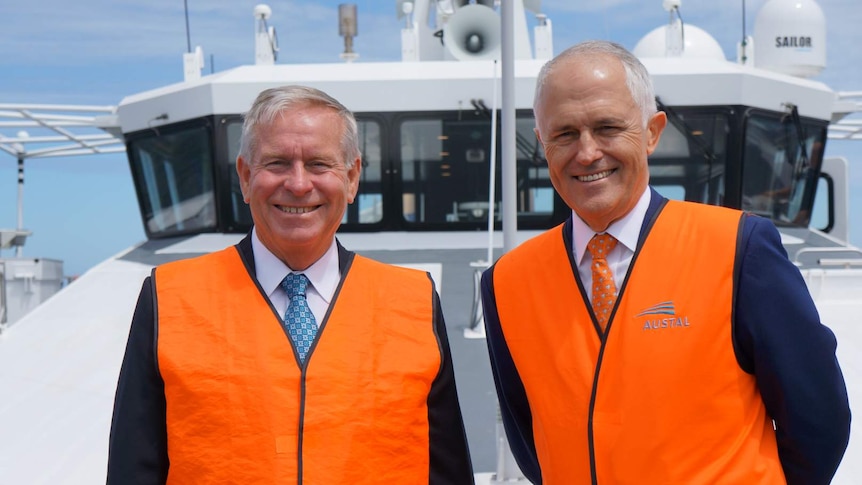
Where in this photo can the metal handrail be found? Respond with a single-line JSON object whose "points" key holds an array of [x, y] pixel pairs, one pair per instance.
{"points": [[2, 300], [845, 262]]}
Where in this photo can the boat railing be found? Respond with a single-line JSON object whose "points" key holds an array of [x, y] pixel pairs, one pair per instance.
{"points": [[844, 257], [3, 323], [476, 328]]}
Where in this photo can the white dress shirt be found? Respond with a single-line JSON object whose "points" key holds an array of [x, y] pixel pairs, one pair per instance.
{"points": [[626, 231], [323, 277]]}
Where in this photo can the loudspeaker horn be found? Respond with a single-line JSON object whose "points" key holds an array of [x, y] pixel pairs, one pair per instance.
{"points": [[473, 33]]}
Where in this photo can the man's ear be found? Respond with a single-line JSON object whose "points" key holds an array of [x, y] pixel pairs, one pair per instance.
{"points": [[243, 170], [655, 127], [353, 180], [539, 137]]}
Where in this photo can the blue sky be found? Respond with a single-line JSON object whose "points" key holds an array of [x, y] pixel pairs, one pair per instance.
{"points": [[82, 209]]}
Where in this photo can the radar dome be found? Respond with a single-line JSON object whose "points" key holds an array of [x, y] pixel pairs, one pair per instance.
{"points": [[790, 37], [698, 44], [262, 11]]}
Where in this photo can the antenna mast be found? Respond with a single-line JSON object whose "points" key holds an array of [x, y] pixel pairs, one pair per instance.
{"points": [[193, 61], [744, 54], [188, 32]]}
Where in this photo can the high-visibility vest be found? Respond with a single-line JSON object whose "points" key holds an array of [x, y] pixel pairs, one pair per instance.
{"points": [[663, 399], [240, 409]]}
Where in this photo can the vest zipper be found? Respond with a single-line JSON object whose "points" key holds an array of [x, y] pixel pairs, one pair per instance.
{"points": [[301, 423]]}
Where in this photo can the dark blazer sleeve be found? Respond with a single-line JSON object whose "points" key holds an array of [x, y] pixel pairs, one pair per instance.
{"points": [[514, 407], [449, 455], [781, 341], [137, 448]]}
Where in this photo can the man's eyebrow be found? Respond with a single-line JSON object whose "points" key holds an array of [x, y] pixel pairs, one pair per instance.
{"points": [[562, 126], [610, 120]]}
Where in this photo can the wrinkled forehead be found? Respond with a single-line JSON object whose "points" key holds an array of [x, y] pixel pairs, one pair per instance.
{"points": [[582, 76]]}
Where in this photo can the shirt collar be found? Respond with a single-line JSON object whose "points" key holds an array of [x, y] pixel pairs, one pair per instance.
{"points": [[324, 274], [626, 230]]}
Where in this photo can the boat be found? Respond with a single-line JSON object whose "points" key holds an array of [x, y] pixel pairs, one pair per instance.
{"points": [[748, 133]]}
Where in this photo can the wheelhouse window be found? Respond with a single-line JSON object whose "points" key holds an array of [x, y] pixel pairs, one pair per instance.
{"points": [[445, 175], [239, 212], [173, 174], [781, 163], [368, 206], [420, 171], [689, 161], [534, 189]]}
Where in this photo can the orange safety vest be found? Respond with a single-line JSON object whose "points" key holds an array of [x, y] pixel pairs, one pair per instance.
{"points": [[662, 399], [241, 410]]}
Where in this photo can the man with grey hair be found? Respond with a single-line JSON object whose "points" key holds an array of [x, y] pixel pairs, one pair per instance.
{"points": [[647, 340], [287, 358]]}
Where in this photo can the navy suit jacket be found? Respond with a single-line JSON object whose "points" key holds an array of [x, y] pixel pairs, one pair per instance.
{"points": [[778, 338]]}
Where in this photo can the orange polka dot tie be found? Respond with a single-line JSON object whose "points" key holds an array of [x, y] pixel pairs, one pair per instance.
{"points": [[604, 290]]}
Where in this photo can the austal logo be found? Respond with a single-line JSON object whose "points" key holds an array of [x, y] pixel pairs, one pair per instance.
{"points": [[658, 322]]}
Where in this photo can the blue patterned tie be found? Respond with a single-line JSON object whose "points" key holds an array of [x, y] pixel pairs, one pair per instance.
{"points": [[298, 318]]}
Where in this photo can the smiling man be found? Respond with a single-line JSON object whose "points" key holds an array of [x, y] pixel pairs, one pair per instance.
{"points": [[648, 341], [287, 358]]}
